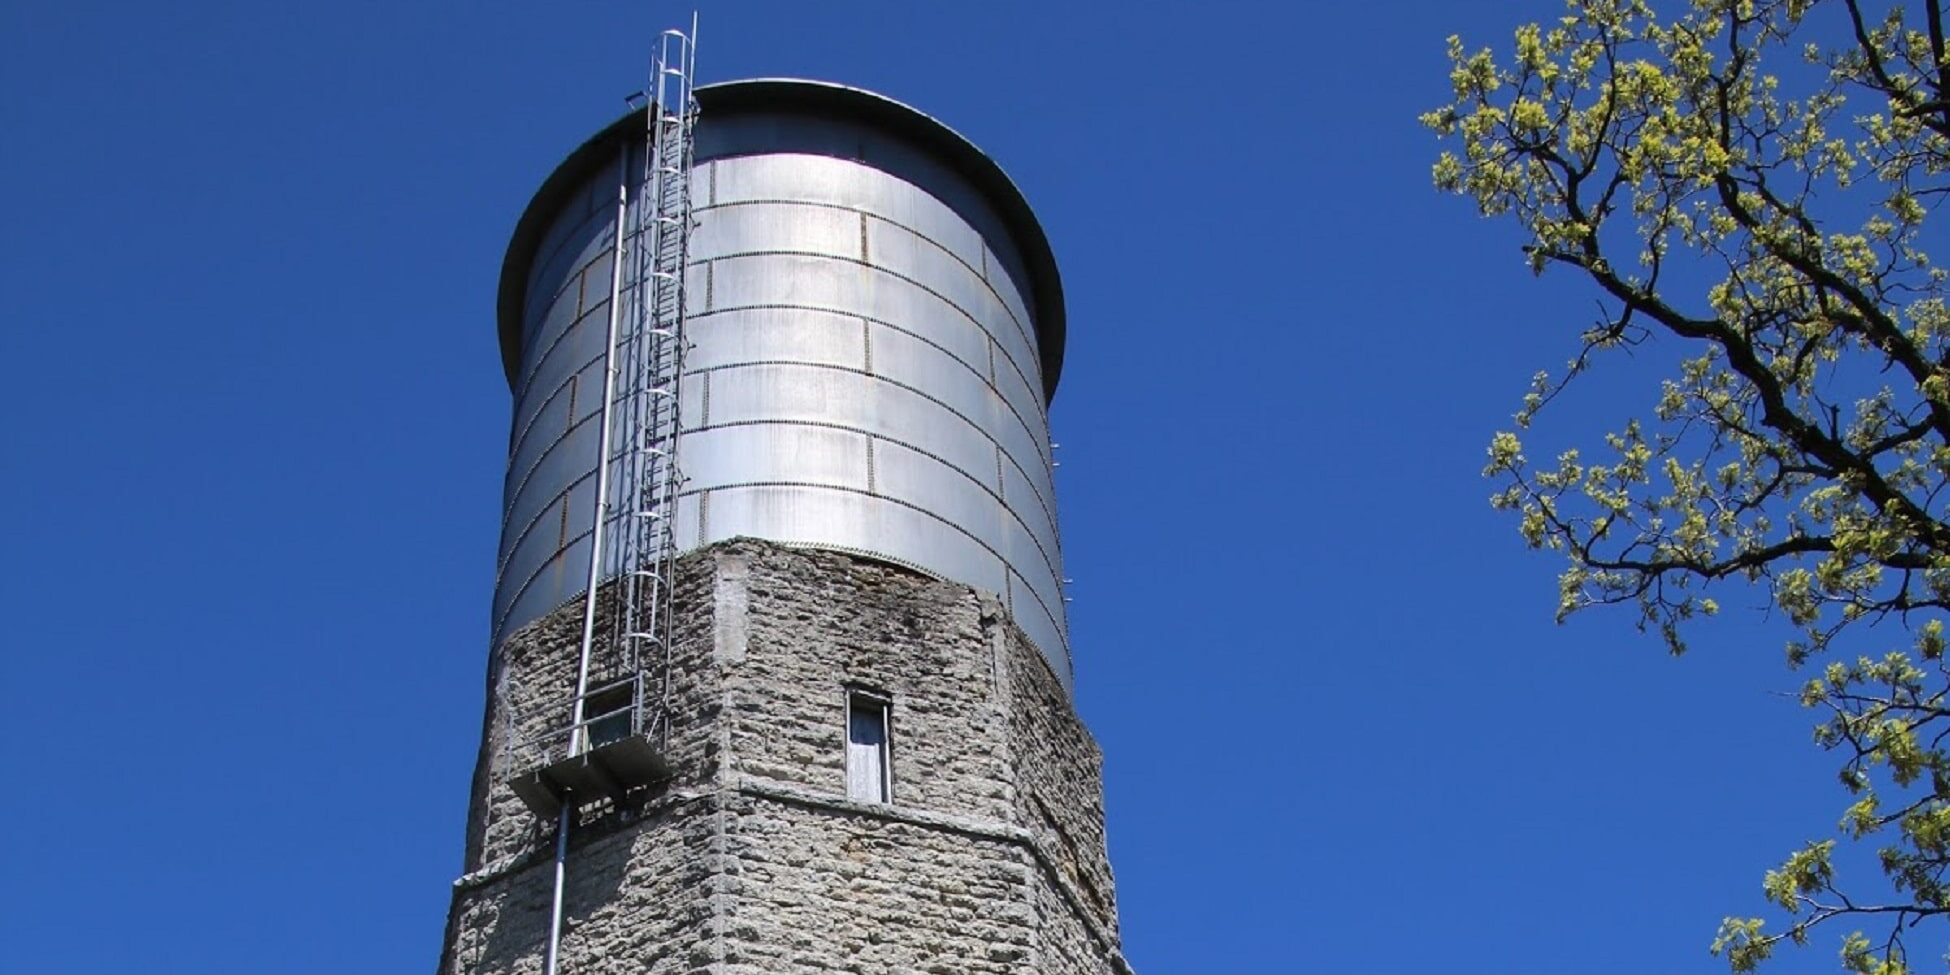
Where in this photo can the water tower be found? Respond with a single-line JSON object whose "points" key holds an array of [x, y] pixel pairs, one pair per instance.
{"points": [[779, 675]]}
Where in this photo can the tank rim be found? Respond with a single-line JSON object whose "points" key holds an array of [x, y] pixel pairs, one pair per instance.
{"points": [[897, 118]]}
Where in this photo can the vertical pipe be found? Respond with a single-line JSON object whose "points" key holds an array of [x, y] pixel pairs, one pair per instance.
{"points": [[561, 874], [595, 559], [602, 455]]}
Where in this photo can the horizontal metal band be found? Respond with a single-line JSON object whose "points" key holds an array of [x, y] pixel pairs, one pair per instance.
{"points": [[869, 238], [776, 452]]}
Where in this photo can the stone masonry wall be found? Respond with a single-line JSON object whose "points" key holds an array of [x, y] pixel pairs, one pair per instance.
{"points": [[1059, 776], [532, 686], [751, 858]]}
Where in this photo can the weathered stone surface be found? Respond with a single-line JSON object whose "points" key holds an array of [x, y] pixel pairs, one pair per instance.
{"points": [[989, 859]]}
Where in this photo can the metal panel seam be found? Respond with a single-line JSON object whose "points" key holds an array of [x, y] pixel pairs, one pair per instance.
{"points": [[1026, 329], [536, 519], [522, 589], [1052, 563], [1049, 504], [890, 272], [535, 363], [550, 449], [535, 415], [1041, 442]]}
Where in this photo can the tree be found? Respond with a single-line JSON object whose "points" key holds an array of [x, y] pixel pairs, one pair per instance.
{"points": [[1755, 181]]}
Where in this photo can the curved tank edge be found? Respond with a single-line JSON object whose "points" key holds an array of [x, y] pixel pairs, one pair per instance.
{"points": [[899, 119]]}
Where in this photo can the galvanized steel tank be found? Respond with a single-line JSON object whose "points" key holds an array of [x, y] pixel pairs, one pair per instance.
{"points": [[876, 326]]}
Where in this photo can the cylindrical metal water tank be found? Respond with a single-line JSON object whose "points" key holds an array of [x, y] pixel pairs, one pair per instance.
{"points": [[876, 325]]}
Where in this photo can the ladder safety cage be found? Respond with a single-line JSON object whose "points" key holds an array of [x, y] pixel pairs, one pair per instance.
{"points": [[645, 495], [617, 712]]}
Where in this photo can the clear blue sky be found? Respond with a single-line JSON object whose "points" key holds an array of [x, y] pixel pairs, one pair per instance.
{"points": [[257, 423]]}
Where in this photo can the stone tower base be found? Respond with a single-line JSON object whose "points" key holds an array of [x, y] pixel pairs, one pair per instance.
{"points": [[986, 857]]}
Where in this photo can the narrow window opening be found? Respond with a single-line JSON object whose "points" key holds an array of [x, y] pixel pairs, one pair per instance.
{"points": [[868, 768]]}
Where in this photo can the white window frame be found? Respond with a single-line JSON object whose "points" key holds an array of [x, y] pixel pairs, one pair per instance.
{"points": [[862, 785]]}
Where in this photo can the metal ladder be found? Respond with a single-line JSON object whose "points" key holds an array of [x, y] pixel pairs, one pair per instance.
{"points": [[651, 352], [637, 480]]}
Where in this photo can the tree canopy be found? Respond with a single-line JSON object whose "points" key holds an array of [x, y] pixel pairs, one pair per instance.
{"points": [[1753, 183]]}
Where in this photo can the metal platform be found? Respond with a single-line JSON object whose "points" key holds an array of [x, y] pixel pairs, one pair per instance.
{"points": [[610, 770]]}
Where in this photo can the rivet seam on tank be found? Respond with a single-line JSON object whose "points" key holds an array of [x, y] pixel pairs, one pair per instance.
{"points": [[575, 389], [1001, 495], [548, 448], [873, 484], [1024, 327], [501, 563], [1018, 330], [501, 573], [595, 287], [971, 367], [866, 345], [535, 299], [976, 369], [528, 382], [523, 486], [863, 238], [1048, 504]]}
